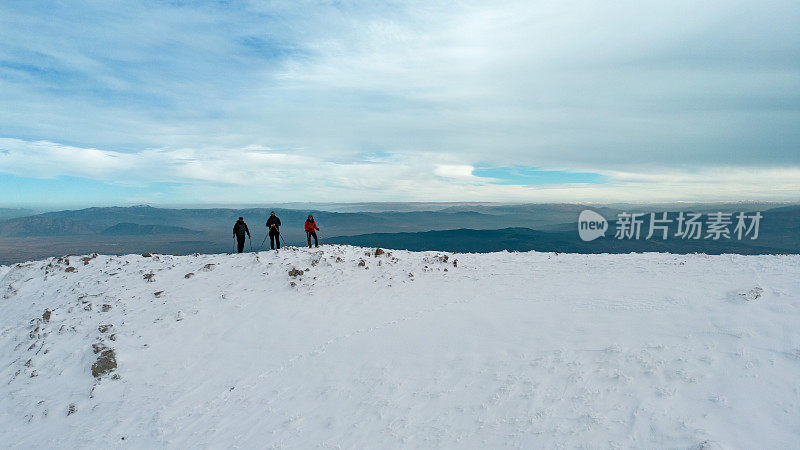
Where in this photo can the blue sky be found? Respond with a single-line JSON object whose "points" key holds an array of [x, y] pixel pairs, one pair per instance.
{"points": [[204, 102]]}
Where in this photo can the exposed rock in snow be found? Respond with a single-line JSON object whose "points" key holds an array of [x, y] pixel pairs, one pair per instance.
{"points": [[709, 445], [752, 294], [492, 350], [106, 362]]}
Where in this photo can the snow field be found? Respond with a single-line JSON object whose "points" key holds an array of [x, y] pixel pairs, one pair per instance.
{"points": [[402, 349]]}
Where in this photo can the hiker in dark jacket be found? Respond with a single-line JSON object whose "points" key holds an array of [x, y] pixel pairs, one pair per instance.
{"points": [[311, 228], [273, 226], [240, 230]]}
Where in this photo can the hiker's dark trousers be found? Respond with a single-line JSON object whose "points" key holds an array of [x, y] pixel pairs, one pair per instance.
{"points": [[274, 239], [240, 243], [309, 234]]}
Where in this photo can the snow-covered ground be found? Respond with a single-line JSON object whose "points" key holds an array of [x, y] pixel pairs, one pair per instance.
{"points": [[401, 350]]}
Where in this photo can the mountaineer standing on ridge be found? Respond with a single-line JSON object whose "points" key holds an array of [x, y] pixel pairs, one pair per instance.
{"points": [[273, 226], [311, 228], [239, 231]]}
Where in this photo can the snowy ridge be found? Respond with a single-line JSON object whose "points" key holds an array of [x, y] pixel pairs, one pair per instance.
{"points": [[401, 349]]}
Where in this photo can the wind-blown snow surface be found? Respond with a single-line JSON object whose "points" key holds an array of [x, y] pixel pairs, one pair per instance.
{"points": [[409, 350]]}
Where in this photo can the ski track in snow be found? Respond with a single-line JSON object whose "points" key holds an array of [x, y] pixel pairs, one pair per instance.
{"points": [[404, 349]]}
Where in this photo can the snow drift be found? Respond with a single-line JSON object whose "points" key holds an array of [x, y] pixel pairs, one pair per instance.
{"points": [[340, 346]]}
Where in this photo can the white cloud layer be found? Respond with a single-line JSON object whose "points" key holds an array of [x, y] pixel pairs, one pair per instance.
{"points": [[258, 173]]}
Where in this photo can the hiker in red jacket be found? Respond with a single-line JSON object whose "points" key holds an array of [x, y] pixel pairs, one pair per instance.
{"points": [[311, 228]]}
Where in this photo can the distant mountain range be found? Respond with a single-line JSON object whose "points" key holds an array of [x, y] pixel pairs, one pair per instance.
{"points": [[217, 220], [779, 232], [458, 228]]}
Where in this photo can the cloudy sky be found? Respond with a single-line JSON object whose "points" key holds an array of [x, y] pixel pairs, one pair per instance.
{"points": [[117, 102]]}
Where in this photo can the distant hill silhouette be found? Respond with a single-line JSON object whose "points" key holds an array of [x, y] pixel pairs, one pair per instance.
{"points": [[43, 226], [525, 239], [11, 213], [130, 229]]}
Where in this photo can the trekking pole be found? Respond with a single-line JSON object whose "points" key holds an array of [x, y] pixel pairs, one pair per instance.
{"points": [[250, 241], [233, 249], [284, 242], [265, 240]]}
